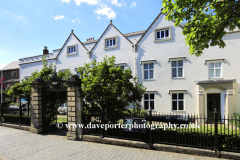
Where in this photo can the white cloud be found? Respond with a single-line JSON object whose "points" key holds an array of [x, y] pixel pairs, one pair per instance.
{"points": [[77, 20], [98, 17], [115, 2], [133, 4], [67, 1], [20, 17], [106, 11], [59, 17], [90, 2]]}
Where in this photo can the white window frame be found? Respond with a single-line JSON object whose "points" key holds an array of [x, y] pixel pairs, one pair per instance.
{"points": [[108, 39], [121, 67], [109, 42], [148, 70], [164, 32], [121, 64], [177, 68], [14, 74], [154, 100], [169, 28], [62, 70], [174, 92], [209, 62], [72, 53], [27, 77]]}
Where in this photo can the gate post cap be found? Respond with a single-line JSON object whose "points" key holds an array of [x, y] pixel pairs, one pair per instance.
{"points": [[74, 77], [38, 80]]}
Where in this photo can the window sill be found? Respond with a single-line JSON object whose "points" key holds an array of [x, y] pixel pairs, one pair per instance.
{"points": [[106, 48], [215, 78], [70, 54], [149, 110], [178, 78], [149, 79], [178, 111], [161, 40]]}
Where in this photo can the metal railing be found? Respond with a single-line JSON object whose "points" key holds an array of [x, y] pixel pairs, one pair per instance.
{"points": [[216, 132], [14, 115]]}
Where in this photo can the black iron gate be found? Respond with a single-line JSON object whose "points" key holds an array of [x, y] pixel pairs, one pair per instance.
{"points": [[54, 94]]}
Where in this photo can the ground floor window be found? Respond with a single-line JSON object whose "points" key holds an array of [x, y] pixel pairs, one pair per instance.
{"points": [[149, 101], [177, 101]]}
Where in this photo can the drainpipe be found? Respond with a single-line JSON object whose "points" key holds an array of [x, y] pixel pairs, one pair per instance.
{"points": [[135, 59]]}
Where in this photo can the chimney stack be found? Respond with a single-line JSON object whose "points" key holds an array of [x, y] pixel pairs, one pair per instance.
{"points": [[45, 51], [90, 39]]}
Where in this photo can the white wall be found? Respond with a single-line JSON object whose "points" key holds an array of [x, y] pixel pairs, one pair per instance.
{"points": [[194, 67], [73, 61], [123, 53]]}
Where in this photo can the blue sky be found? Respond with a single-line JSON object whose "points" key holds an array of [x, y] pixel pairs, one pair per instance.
{"points": [[26, 26]]}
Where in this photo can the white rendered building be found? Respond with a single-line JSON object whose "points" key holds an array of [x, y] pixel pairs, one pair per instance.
{"points": [[176, 81]]}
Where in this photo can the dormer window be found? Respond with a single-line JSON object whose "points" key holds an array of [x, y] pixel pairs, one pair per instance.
{"points": [[72, 50], [111, 42], [163, 34]]}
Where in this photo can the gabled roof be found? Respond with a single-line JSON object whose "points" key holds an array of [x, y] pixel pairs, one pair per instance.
{"points": [[182, 26], [12, 65], [67, 40], [104, 33]]}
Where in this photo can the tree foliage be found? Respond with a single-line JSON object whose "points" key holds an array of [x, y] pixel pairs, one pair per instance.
{"points": [[206, 21], [108, 88], [52, 99], [6, 99]]}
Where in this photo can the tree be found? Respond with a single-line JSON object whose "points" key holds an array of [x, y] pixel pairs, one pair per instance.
{"points": [[52, 99], [6, 98], [206, 21], [108, 88]]}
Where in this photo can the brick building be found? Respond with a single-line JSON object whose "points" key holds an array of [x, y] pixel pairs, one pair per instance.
{"points": [[11, 75]]}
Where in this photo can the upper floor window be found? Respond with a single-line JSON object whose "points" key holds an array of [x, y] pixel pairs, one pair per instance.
{"points": [[177, 68], [162, 34], [71, 49], [149, 101], [14, 74], [177, 101], [27, 77], [62, 70], [111, 42], [148, 70], [215, 69]]}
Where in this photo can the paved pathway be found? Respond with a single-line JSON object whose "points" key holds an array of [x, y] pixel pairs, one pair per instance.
{"points": [[17, 144]]}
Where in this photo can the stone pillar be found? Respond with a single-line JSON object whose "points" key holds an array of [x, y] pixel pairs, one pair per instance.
{"points": [[229, 103], [36, 110], [200, 103], [74, 84]]}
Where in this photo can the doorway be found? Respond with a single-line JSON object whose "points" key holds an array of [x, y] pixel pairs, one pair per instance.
{"points": [[213, 101]]}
